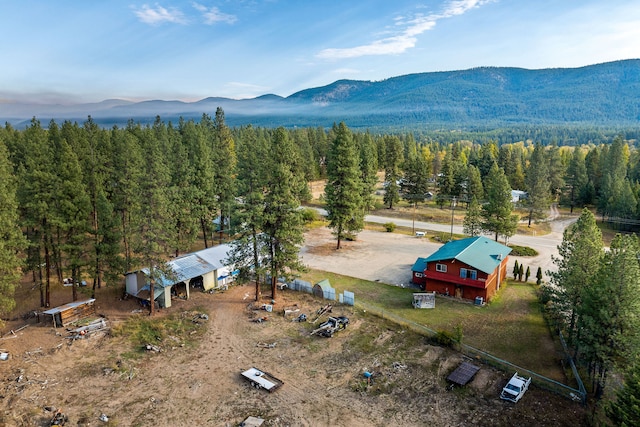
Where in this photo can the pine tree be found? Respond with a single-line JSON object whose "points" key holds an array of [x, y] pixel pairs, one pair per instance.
{"points": [[345, 210], [368, 169], [225, 162], [126, 180], [283, 226], [579, 258], [537, 184], [392, 161], [414, 186], [539, 276], [520, 272], [577, 179], [153, 228], [446, 180], [516, 270], [72, 210], [527, 274], [472, 223], [12, 240], [95, 150], [36, 195], [624, 411], [496, 213], [184, 207], [556, 171], [474, 185], [607, 322], [252, 173], [197, 182]]}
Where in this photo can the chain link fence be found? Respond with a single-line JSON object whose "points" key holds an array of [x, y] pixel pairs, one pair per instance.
{"points": [[578, 395]]}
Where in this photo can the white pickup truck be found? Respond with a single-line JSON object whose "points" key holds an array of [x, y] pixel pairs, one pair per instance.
{"points": [[515, 388]]}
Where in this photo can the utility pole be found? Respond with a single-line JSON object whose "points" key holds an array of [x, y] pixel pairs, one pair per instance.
{"points": [[453, 206]]}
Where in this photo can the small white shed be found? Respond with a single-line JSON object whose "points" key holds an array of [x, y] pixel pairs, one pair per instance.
{"points": [[424, 300]]}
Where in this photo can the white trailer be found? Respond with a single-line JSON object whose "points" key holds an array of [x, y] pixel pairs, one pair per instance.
{"points": [[260, 379]]}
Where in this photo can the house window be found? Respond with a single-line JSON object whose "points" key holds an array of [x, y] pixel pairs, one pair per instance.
{"points": [[418, 274], [441, 268], [466, 273]]}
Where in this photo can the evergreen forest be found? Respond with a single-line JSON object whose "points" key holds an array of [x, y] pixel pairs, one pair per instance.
{"points": [[91, 203]]}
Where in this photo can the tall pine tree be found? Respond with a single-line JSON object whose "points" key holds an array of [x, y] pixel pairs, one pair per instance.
{"points": [[344, 205], [497, 214], [282, 226], [11, 238], [579, 259]]}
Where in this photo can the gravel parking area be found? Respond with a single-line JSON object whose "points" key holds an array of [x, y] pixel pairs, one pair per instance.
{"points": [[375, 256]]}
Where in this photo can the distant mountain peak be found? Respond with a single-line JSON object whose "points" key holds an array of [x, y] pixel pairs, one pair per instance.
{"points": [[602, 94]]}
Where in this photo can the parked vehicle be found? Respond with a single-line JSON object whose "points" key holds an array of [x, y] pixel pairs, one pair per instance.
{"points": [[515, 388]]}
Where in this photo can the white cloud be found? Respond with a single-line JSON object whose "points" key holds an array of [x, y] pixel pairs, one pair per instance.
{"points": [[346, 71], [213, 15], [158, 15], [406, 39]]}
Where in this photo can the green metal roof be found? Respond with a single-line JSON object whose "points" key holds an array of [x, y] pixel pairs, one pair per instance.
{"points": [[325, 285], [478, 252]]}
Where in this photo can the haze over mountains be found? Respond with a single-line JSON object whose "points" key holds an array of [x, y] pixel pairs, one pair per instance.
{"points": [[605, 94]]}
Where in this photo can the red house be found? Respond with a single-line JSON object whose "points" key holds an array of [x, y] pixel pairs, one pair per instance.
{"points": [[471, 268]]}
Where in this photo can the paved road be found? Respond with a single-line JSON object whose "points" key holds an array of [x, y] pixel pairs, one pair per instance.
{"points": [[388, 257]]}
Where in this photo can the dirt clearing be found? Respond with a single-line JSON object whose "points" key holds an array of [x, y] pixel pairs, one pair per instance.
{"points": [[200, 384], [324, 383]]}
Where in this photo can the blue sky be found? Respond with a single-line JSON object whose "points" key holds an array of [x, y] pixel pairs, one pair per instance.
{"points": [[85, 51]]}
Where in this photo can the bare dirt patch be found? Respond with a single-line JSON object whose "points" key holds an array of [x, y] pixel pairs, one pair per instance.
{"points": [[185, 386]]}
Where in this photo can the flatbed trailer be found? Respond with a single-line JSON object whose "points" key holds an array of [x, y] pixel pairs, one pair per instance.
{"points": [[260, 379]]}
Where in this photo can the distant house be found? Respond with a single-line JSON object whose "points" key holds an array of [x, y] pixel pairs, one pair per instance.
{"points": [[471, 268], [203, 270], [518, 196]]}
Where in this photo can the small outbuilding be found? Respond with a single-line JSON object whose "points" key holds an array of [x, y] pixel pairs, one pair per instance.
{"points": [[205, 269], [424, 300], [323, 289], [72, 312]]}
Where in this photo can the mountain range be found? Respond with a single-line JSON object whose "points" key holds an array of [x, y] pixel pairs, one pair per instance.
{"points": [[605, 94]]}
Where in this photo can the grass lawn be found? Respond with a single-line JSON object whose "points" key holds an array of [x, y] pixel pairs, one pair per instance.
{"points": [[511, 327]]}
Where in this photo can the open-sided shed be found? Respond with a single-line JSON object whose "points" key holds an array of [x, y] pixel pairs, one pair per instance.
{"points": [[204, 269], [71, 312]]}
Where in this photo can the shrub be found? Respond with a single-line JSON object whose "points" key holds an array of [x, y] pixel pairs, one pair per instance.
{"points": [[444, 338], [522, 251], [310, 215], [389, 226]]}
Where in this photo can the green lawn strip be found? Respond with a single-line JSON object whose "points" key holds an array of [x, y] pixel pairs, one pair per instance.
{"points": [[511, 327]]}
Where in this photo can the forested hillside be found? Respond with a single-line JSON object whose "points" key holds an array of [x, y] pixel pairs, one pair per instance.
{"points": [[487, 97]]}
